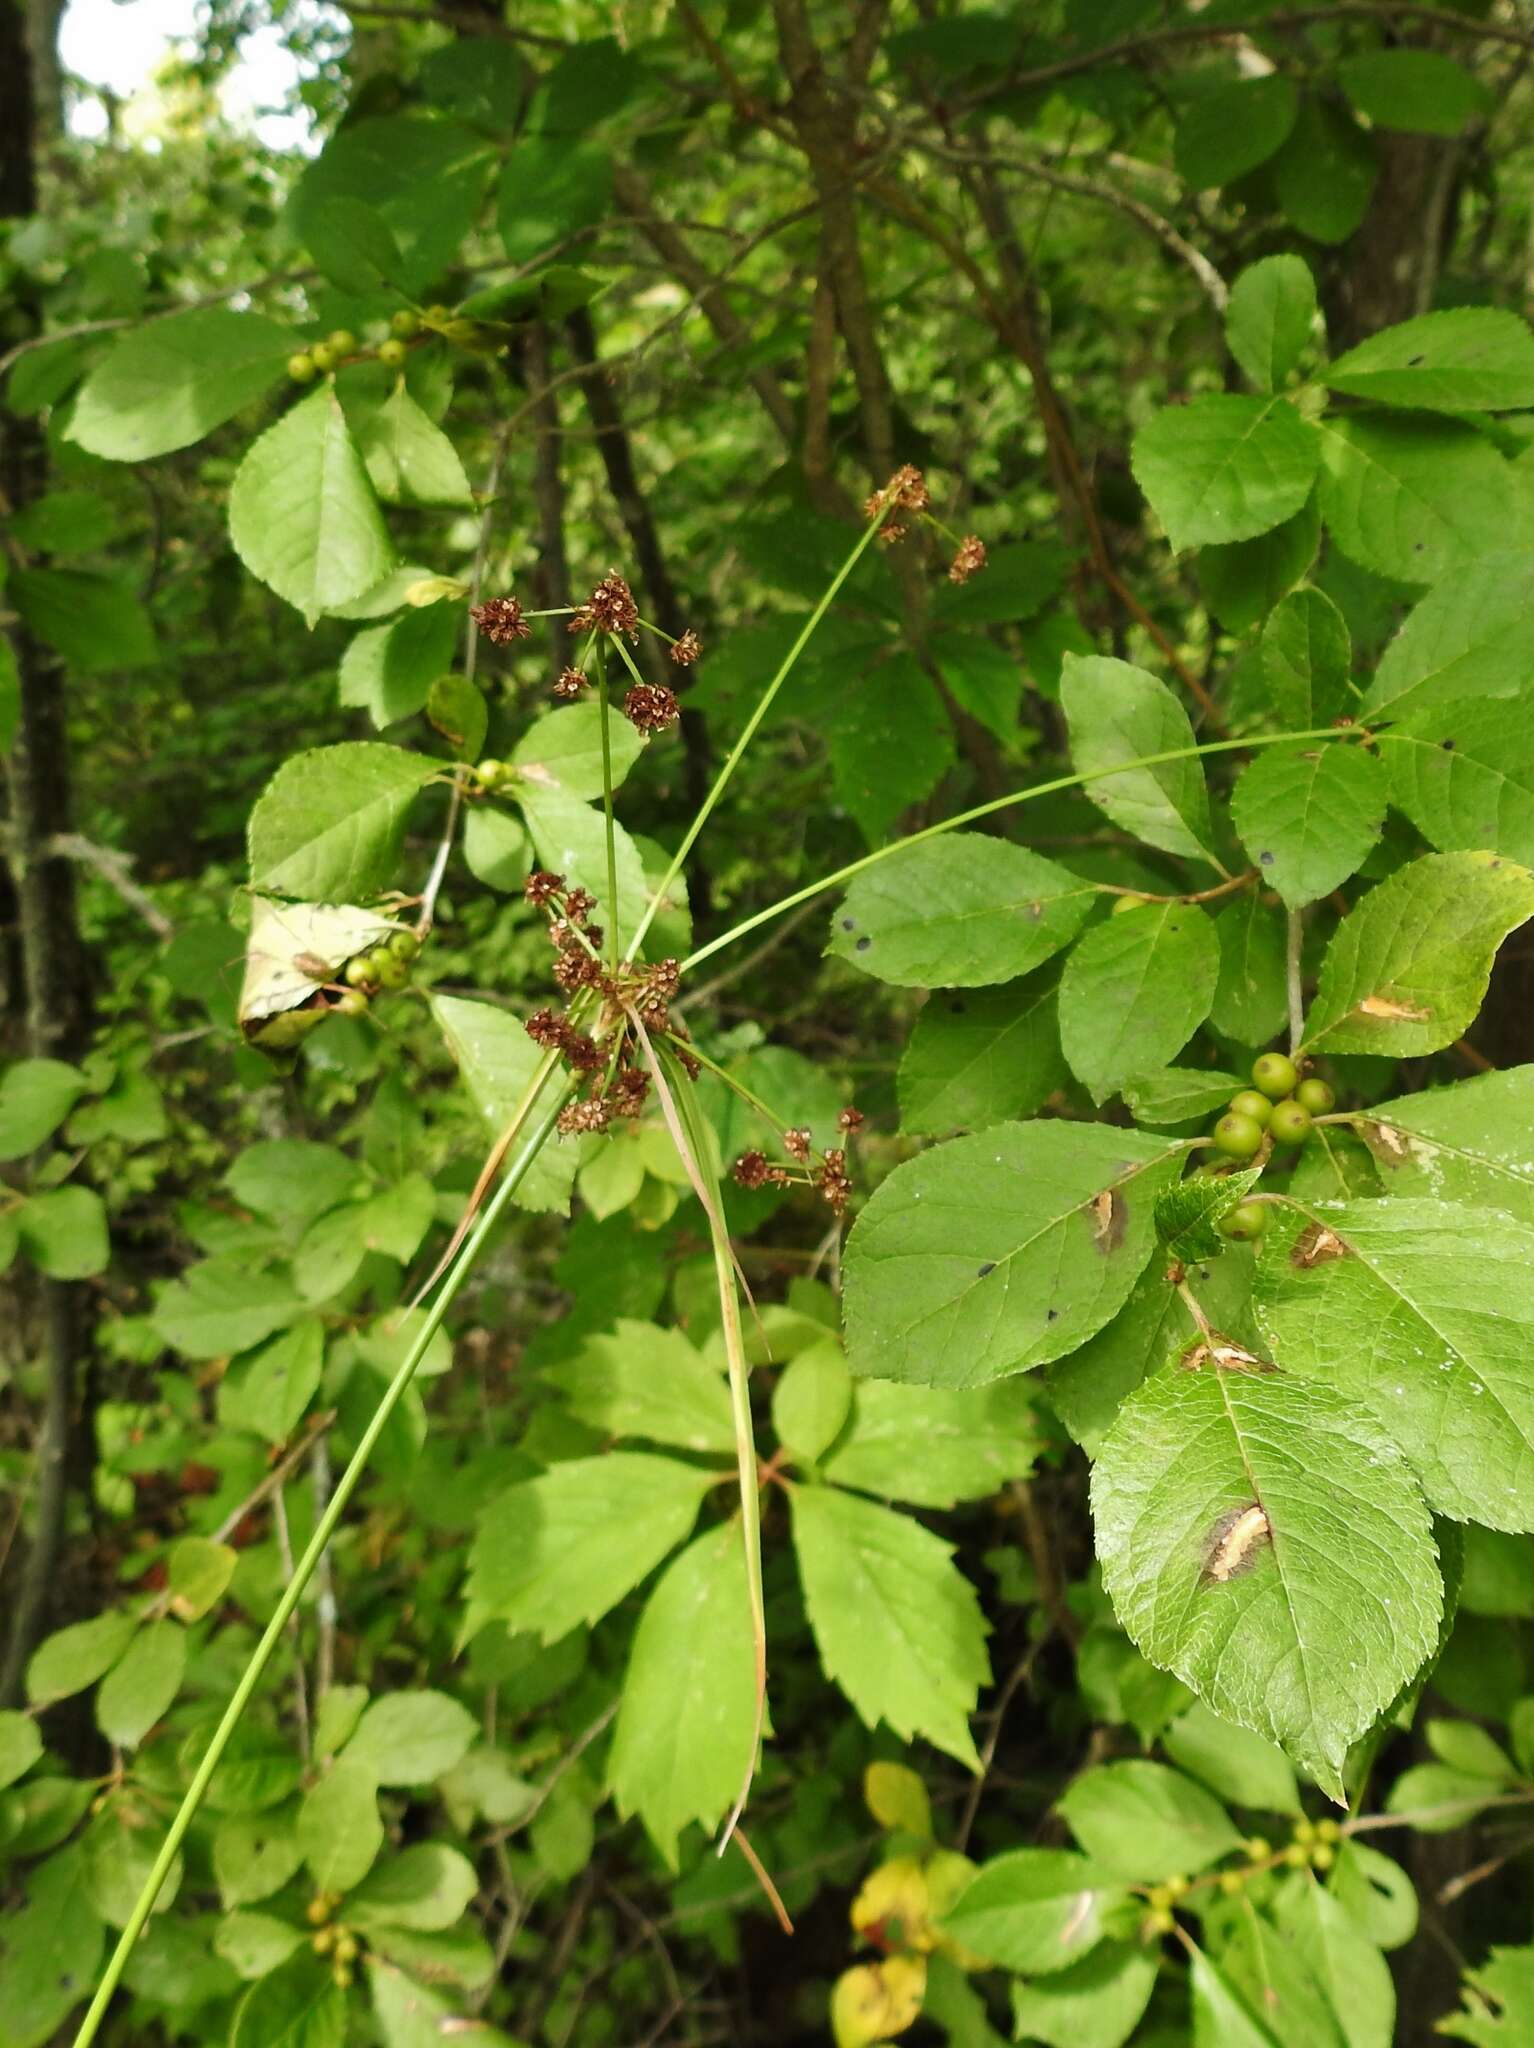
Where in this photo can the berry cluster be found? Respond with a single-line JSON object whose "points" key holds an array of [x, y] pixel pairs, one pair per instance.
{"points": [[1278, 1109], [332, 1938], [1313, 1846], [342, 346], [384, 966], [828, 1177]]}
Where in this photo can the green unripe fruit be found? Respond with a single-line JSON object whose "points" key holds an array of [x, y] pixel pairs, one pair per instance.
{"points": [[388, 970], [341, 1976], [1159, 1923], [1275, 1074], [1315, 1096], [323, 1940], [323, 358], [405, 324], [352, 1002], [342, 343], [1247, 1102], [1237, 1136], [1328, 1831], [1246, 1221], [301, 368], [393, 353], [438, 314], [360, 972], [1258, 1848], [403, 945], [491, 773], [1304, 1830], [317, 1910], [1297, 1856], [1177, 1886], [1289, 1123], [346, 1947], [1159, 1897], [1322, 1856], [1232, 1881]]}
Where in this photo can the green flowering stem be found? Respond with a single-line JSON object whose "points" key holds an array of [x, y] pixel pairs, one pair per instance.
{"points": [[325, 1528], [986, 810], [748, 733], [607, 805]]}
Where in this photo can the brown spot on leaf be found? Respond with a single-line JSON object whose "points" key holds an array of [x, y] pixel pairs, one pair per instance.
{"points": [[1224, 1354], [1317, 1245], [1389, 1007], [1110, 1219], [1234, 1543]]}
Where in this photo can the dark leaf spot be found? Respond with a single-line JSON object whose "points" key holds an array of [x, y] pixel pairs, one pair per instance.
{"points": [[849, 924], [864, 943], [988, 1267], [1265, 860], [1052, 1316], [957, 1005], [1447, 745], [1412, 362]]}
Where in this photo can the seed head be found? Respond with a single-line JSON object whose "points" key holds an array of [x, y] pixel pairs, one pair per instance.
{"points": [[577, 1118], [500, 619], [651, 707], [540, 887], [568, 685], [629, 1092], [833, 1183], [850, 1120], [906, 491], [579, 904], [969, 561], [685, 652], [750, 1170], [796, 1144], [609, 609]]}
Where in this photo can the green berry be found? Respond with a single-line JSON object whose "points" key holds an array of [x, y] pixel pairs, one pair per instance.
{"points": [[301, 368], [438, 314], [393, 353], [1176, 1886], [352, 1002], [405, 324], [1322, 1856], [341, 1976], [360, 972], [1275, 1074], [323, 1940], [1297, 1856], [342, 343], [1159, 1897], [1315, 1096], [1237, 1136], [1289, 1123], [323, 358], [1232, 1881], [1248, 1102], [388, 970], [1160, 1922], [1246, 1221], [1328, 1831], [491, 773], [346, 1947], [1257, 1848], [404, 945], [1304, 1831], [317, 1910]]}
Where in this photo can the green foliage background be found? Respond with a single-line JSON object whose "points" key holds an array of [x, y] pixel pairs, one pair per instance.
{"points": [[1145, 1592]]}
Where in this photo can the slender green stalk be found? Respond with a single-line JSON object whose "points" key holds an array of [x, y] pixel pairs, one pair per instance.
{"points": [[325, 1528], [986, 810], [607, 807], [748, 733]]}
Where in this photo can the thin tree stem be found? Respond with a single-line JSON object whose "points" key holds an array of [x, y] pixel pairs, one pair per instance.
{"points": [[1293, 947]]}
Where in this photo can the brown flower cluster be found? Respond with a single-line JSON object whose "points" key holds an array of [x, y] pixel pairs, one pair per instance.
{"points": [[906, 491], [685, 652], [501, 620], [651, 707], [829, 1179], [609, 609], [969, 560], [568, 685]]}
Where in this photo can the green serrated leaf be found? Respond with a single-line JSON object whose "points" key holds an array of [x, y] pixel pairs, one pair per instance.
{"points": [[1309, 816], [1407, 968], [1473, 359], [934, 1446], [302, 515], [411, 1738], [330, 824], [35, 1098], [1134, 991], [1233, 128], [1466, 1143], [1187, 1213], [1471, 636], [1420, 92], [1244, 581], [1095, 2003], [897, 1625], [1118, 713], [1420, 1314], [409, 458], [296, 2006], [1225, 468], [648, 1382], [498, 1060], [1250, 1002], [1415, 498], [963, 911], [140, 1687], [562, 751], [1269, 318], [978, 1058], [339, 1828], [565, 1547], [1142, 1822], [1216, 1497], [1000, 1251], [427, 1886], [1035, 1910], [388, 670], [1175, 1095], [681, 1751], [1464, 774], [172, 381]]}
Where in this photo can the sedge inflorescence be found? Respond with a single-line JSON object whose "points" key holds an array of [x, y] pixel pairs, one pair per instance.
{"points": [[825, 1172]]}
